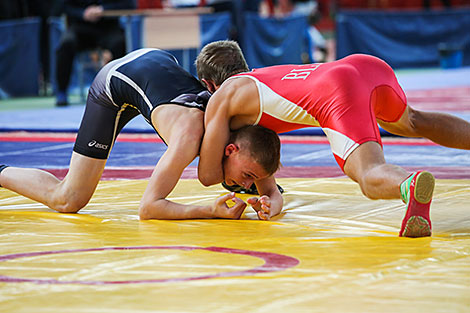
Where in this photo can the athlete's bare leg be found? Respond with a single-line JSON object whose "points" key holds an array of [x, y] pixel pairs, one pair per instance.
{"points": [[68, 195], [444, 129], [378, 180]]}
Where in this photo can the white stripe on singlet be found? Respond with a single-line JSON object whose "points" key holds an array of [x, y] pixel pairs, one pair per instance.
{"points": [[271, 103], [340, 144], [113, 72]]}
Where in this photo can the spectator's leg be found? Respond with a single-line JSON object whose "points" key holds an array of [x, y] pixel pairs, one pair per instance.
{"points": [[65, 55], [113, 40]]}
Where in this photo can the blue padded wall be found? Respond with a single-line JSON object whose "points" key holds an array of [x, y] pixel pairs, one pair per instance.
{"points": [[405, 39]]}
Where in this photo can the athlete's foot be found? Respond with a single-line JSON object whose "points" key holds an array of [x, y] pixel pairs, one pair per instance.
{"points": [[417, 222], [2, 167]]}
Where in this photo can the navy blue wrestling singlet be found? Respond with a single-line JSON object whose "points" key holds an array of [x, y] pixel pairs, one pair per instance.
{"points": [[134, 84]]}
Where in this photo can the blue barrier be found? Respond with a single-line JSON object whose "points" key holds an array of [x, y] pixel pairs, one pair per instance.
{"points": [[267, 41], [212, 27], [273, 41], [407, 39], [19, 55]]}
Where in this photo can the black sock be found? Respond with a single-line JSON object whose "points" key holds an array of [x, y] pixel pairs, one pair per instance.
{"points": [[2, 167]]}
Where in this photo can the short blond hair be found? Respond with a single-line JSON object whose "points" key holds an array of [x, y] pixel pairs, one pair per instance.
{"points": [[219, 60]]}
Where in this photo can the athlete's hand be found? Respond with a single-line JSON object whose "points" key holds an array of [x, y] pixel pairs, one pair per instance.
{"points": [[262, 206], [222, 210]]}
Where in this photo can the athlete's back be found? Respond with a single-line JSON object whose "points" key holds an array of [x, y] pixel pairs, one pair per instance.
{"points": [[145, 79]]}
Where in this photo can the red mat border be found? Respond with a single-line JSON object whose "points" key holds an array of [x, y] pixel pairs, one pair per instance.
{"points": [[153, 138], [440, 172]]}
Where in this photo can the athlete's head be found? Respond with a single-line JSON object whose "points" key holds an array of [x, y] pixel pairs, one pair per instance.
{"points": [[253, 153], [219, 60]]}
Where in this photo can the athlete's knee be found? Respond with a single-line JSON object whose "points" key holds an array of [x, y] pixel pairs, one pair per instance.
{"points": [[367, 191], [69, 206], [367, 187], [370, 184], [69, 202], [363, 179]]}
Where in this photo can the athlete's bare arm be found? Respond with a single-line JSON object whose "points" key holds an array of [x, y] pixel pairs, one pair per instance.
{"points": [[234, 105], [182, 129], [216, 136], [270, 203]]}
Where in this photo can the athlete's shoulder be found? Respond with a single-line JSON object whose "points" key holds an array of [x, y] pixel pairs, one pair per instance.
{"points": [[238, 85], [270, 69], [233, 96]]}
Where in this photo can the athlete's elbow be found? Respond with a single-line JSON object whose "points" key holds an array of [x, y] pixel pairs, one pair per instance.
{"points": [[153, 209], [207, 180], [144, 212], [204, 182], [147, 211]]}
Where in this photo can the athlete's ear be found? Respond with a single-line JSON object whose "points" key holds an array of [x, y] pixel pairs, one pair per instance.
{"points": [[231, 148], [210, 85]]}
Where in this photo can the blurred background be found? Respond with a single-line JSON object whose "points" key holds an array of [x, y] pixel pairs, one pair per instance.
{"points": [[412, 34], [347, 245]]}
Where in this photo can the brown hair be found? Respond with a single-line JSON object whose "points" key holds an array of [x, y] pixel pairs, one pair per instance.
{"points": [[219, 60], [262, 144]]}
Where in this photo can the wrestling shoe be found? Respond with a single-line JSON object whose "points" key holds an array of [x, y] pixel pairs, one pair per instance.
{"points": [[417, 190], [251, 191], [2, 167]]}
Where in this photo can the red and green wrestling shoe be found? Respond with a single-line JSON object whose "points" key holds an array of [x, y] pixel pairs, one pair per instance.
{"points": [[417, 192]]}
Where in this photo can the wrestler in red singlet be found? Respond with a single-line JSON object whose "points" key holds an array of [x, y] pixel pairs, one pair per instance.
{"points": [[343, 97]]}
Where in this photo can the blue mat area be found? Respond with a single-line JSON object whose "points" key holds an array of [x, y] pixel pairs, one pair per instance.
{"points": [[65, 119], [434, 78], [68, 119], [57, 155]]}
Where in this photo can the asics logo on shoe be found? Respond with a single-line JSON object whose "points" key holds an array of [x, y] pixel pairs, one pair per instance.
{"points": [[97, 145]]}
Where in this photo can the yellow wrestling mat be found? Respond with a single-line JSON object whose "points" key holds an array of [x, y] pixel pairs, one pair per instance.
{"points": [[331, 250]]}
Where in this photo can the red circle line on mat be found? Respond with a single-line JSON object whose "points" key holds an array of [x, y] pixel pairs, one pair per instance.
{"points": [[273, 263]]}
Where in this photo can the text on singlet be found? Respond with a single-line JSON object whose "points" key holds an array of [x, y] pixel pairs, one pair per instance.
{"points": [[300, 73]]}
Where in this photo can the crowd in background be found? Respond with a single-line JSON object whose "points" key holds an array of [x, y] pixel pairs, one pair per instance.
{"points": [[85, 30]]}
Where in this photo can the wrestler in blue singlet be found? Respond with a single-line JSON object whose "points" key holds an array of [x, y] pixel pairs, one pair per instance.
{"points": [[136, 83]]}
